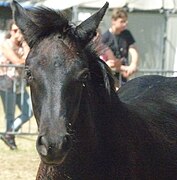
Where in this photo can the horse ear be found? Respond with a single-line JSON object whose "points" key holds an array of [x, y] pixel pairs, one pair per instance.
{"points": [[87, 29], [22, 19]]}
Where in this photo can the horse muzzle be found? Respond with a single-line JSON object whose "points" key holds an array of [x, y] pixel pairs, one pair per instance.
{"points": [[53, 150]]}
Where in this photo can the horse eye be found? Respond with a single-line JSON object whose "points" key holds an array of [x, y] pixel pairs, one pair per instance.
{"points": [[84, 75]]}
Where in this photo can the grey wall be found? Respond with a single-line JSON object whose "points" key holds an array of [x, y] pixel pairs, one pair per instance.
{"points": [[155, 35]]}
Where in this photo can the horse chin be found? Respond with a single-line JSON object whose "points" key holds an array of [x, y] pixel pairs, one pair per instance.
{"points": [[53, 161]]}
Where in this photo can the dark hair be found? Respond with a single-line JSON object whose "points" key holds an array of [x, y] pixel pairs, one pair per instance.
{"points": [[9, 27], [9, 24], [119, 13], [7, 35]]}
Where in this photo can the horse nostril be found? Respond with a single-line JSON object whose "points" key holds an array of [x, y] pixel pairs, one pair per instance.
{"points": [[42, 145], [49, 146]]}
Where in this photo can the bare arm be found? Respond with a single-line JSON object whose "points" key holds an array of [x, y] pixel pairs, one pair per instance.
{"points": [[129, 70], [11, 55], [26, 50], [134, 57]]}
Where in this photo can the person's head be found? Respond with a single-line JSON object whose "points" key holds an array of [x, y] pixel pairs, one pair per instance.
{"points": [[16, 33], [119, 20]]}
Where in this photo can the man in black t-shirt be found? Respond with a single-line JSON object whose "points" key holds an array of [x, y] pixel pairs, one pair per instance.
{"points": [[122, 43]]}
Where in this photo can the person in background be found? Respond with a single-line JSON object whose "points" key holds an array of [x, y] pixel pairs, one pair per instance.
{"points": [[106, 54], [120, 40], [14, 51]]}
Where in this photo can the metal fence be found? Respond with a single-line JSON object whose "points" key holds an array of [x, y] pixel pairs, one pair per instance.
{"points": [[167, 73], [18, 86]]}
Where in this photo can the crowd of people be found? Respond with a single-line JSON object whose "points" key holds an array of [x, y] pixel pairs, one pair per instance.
{"points": [[116, 47], [13, 52]]}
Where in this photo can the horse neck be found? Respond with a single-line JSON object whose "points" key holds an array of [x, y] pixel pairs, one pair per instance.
{"points": [[103, 111]]}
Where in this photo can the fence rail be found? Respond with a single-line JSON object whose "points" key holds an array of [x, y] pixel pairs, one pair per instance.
{"points": [[18, 87], [168, 73], [30, 128]]}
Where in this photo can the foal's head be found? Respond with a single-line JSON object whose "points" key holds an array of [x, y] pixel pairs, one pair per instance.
{"points": [[57, 70]]}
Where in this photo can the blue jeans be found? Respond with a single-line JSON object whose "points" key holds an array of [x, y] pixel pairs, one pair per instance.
{"points": [[9, 100]]}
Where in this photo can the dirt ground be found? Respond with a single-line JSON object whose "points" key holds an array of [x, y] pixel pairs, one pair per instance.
{"points": [[20, 164]]}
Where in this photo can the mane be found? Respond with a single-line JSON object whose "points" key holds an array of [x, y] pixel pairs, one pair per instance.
{"points": [[101, 73], [46, 22]]}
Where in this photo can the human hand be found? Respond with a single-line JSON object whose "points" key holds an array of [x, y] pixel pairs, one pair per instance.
{"points": [[127, 71], [114, 64]]}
